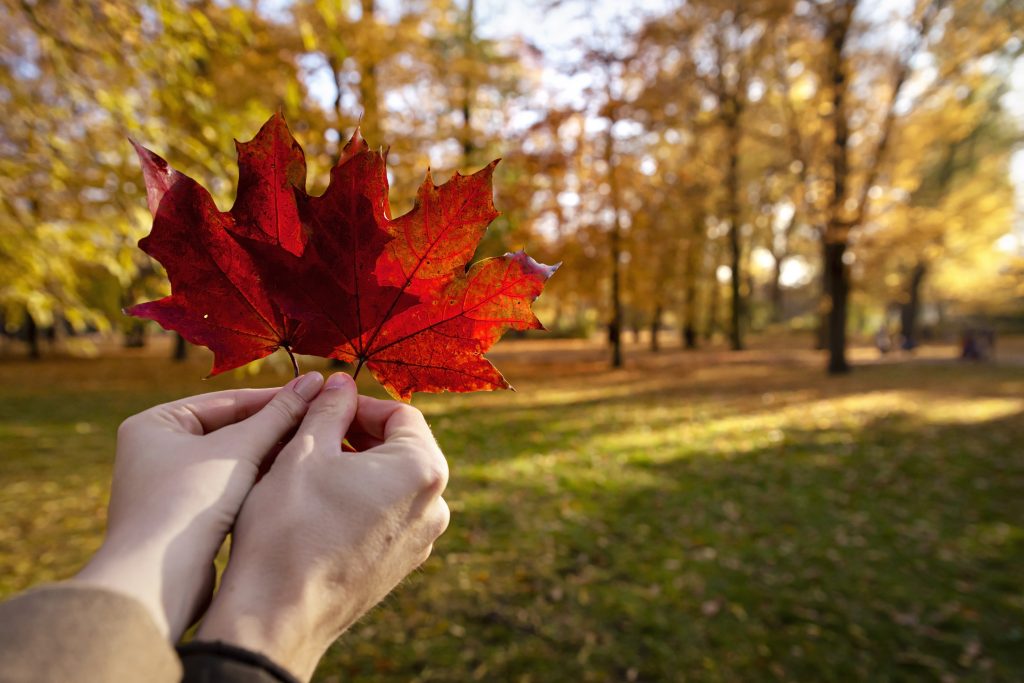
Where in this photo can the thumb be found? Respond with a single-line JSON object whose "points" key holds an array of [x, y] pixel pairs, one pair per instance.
{"points": [[331, 414], [280, 415]]}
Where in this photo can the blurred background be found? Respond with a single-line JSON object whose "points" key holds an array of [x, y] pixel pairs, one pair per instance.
{"points": [[748, 197]]}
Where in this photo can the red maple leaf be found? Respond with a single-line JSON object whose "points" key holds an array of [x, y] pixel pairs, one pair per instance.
{"points": [[217, 297], [335, 275]]}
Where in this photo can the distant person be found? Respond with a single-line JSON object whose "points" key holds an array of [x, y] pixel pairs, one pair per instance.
{"points": [[969, 345], [883, 340], [317, 542], [978, 344]]}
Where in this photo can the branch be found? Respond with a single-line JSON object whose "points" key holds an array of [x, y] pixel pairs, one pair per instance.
{"points": [[902, 73]]}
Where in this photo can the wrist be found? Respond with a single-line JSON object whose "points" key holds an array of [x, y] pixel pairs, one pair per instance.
{"points": [[274, 636], [288, 632], [168, 585], [131, 575]]}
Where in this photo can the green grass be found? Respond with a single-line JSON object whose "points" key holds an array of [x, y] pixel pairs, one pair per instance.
{"points": [[694, 517]]}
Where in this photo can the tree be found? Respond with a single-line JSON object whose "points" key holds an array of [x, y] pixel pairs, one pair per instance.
{"points": [[860, 131], [77, 77], [958, 203]]}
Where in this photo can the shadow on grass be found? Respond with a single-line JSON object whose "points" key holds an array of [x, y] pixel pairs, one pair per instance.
{"points": [[688, 518], [888, 554]]}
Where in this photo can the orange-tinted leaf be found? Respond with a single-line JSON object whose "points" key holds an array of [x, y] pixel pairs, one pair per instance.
{"points": [[440, 344]]}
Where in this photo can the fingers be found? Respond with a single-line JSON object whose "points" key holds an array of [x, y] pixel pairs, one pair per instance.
{"points": [[379, 421], [371, 416], [330, 414], [367, 428], [397, 430], [209, 412], [277, 418]]}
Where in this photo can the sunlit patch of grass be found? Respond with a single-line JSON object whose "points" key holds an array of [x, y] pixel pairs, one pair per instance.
{"points": [[709, 516]]}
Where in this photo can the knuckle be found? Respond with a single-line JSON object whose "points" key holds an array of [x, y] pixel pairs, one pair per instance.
{"points": [[127, 426], [432, 475], [441, 518], [414, 415], [284, 407], [408, 410], [331, 403], [425, 555]]}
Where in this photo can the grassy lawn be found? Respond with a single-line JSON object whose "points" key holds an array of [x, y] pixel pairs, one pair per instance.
{"points": [[693, 517]]}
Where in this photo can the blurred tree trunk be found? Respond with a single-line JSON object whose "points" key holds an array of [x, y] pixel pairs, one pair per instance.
{"points": [[836, 276], [180, 352], [656, 327], [693, 250], [615, 244], [372, 124], [821, 329], [711, 325], [467, 88], [776, 290], [690, 317], [135, 335], [911, 308], [339, 91], [32, 337], [731, 117], [838, 283]]}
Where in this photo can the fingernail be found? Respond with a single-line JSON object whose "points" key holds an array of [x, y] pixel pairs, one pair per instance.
{"points": [[337, 381], [308, 385]]}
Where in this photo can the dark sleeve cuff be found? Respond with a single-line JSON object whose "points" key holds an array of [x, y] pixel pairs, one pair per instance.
{"points": [[217, 662]]}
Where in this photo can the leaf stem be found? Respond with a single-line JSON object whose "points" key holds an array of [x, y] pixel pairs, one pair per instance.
{"points": [[295, 363], [359, 366]]}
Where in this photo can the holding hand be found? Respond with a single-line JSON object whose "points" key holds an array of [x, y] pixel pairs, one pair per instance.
{"points": [[328, 533], [181, 474]]}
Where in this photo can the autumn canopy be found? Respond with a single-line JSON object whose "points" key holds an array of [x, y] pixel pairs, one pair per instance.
{"points": [[335, 275]]}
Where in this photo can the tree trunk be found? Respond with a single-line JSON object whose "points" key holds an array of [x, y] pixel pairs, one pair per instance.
{"points": [[180, 349], [694, 251], [615, 240], [732, 184], [32, 337], [135, 335], [911, 309], [689, 335], [821, 331], [467, 88], [776, 290], [368, 80], [838, 283], [690, 317], [655, 328], [711, 326], [339, 93]]}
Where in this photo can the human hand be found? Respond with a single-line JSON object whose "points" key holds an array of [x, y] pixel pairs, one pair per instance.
{"points": [[181, 473], [326, 534]]}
